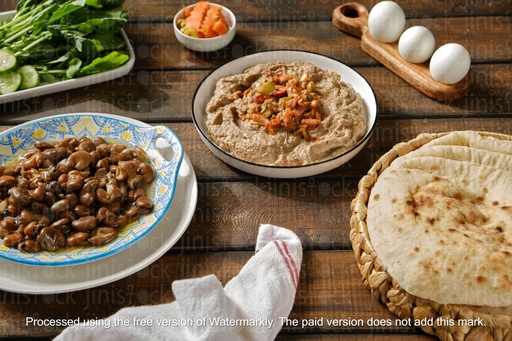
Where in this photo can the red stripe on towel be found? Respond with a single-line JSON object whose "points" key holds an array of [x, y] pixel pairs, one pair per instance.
{"points": [[288, 261], [292, 261]]}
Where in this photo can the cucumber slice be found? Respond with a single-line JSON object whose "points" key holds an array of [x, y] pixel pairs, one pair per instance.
{"points": [[29, 76], [9, 82], [7, 61]]}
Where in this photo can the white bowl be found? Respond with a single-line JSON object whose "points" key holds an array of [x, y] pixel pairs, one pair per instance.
{"points": [[206, 88], [207, 44], [113, 129]]}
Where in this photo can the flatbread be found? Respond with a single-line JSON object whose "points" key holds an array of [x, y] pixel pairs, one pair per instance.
{"points": [[440, 219]]}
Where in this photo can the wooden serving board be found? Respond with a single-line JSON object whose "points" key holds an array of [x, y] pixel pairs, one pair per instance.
{"points": [[352, 18]]}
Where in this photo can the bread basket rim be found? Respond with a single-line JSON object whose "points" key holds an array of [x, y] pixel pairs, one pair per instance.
{"points": [[388, 291]]}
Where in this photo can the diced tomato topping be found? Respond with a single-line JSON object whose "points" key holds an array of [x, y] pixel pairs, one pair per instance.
{"points": [[259, 98], [280, 93]]}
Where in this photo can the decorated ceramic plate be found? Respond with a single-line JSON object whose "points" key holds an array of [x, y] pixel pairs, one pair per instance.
{"points": [[19, 139], [44, 280]]}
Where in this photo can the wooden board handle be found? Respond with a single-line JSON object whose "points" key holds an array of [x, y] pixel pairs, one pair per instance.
{"points": [[352, 18]]}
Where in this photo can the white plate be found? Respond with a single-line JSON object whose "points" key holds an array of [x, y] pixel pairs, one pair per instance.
{"points": [[21, 278], [45, 89], [205, 91]]}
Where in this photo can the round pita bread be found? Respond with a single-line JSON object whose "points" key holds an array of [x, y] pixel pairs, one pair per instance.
{"points": [[440, 219]]}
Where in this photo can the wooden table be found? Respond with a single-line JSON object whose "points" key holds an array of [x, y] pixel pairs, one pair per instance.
{"points": [[231, 204]]}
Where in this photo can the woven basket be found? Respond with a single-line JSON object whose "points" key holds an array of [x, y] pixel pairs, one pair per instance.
{"points": [[498, 327]]}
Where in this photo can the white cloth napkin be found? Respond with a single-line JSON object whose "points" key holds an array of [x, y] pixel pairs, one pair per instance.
{"points": [[252, 306]]}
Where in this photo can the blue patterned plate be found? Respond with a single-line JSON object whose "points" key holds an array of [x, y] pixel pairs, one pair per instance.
{"points": [[19, 139]]}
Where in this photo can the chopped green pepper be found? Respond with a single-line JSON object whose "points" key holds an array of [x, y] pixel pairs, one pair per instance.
{"points": [[181, 23], [266, 89], [283, 100], [189, 31]]}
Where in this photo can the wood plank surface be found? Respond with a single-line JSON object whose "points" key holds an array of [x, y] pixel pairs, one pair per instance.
{"points": [[156, 46], [387, 133], [161, 86], [350, 337], [329, 289], [166, 96], [286, 10], [299, 10], [231, 204]]}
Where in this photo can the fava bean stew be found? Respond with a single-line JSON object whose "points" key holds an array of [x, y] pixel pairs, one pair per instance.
{"points": [[75, 192]]}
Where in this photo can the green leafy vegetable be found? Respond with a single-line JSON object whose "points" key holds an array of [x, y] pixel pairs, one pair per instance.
{"points": [[66, 8], [65, 39], [109, 62], [74, 65], [101, 3]]}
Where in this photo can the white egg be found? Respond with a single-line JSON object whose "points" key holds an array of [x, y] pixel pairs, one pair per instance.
{"points": [[386, 21], [417, 44], [450, 63]]}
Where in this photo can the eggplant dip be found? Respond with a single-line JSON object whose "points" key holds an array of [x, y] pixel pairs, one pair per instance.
{"points": [[281, 114]]}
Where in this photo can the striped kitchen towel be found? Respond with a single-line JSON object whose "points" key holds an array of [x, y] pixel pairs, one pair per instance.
{"points": [[251, 306]]}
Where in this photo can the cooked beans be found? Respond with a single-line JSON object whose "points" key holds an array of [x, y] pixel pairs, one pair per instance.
{"points": [[74, 192], [13, 239]]}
